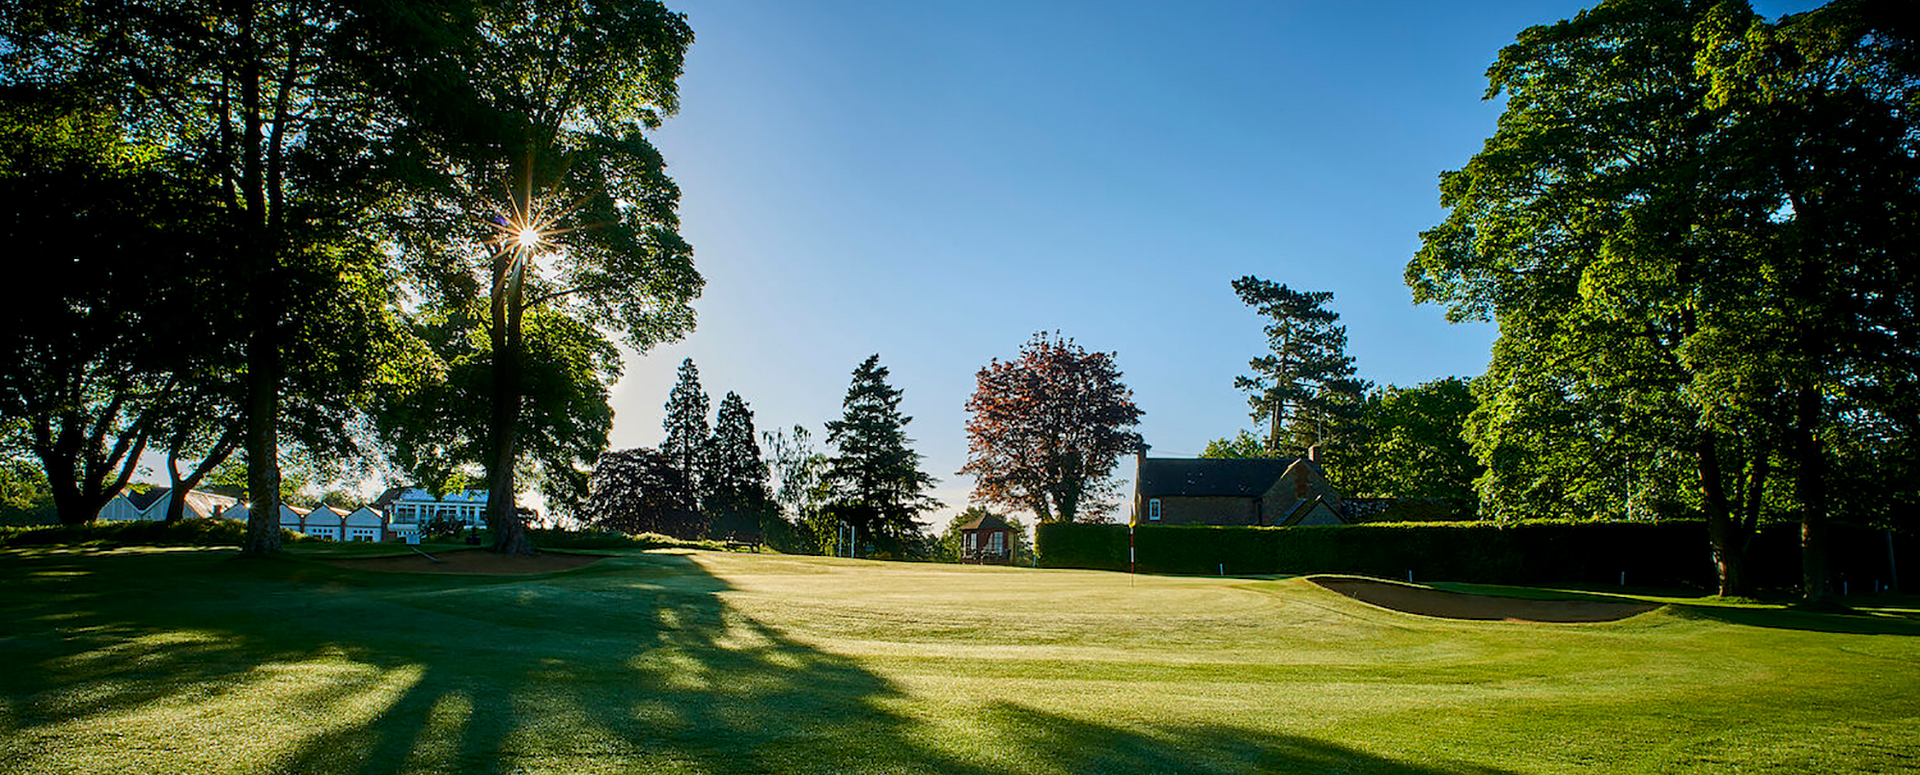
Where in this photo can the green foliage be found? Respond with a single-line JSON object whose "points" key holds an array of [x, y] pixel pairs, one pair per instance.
{"points": [[25, 498], [800, 491], [1530, 552], [1045, 430], [613, 539], [107, 535], [135, 326], [685, 424], [1305, 387], [874, 476], [434, 414], [1410, 443], [1243, 445]]}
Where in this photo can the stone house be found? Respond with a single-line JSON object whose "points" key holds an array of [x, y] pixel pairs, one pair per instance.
{"points": [[1241, 491]]}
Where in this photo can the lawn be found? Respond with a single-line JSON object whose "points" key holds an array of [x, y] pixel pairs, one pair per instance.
{"points": [[192, 660]]}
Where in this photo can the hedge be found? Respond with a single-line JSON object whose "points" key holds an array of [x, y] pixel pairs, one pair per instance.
{"points": [[1649, 554]]}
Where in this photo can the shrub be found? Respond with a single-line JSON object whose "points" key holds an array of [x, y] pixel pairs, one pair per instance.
{"points": [[1673, 553], [186, 532]]}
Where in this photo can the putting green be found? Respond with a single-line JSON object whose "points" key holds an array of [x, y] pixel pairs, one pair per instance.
{"points": [[142, 660]]}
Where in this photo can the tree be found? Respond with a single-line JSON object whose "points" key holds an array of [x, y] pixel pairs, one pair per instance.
{"points": [[262, 100], [553, 99], [1306, 386], [799, 488], [685, 423], [1411, 443], [1243, 445], [1048, 428], [24, 497], [1600, 228], [435, 418], [639, 491], [1822, 125], [736, 479], [874, 476], [135, 322]]}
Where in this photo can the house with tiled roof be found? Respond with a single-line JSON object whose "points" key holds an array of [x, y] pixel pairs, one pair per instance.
{"points": [[1281, 491]]}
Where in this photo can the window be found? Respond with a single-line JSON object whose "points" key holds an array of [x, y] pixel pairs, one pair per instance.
{"points": [[973, 541], [1153, 510], [997, 543]]}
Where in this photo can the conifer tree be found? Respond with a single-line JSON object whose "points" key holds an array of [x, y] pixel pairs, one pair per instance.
{"points": [[875, 478], [737, 475], [686, 426], [1306, 386]]}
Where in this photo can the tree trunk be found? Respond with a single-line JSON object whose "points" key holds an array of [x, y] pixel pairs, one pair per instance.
{"points": [[509, 533], [262, 310], [1728, 540], [1811, 481], [177, 497]]}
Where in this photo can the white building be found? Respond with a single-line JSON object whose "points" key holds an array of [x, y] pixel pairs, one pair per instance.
{"points": [[151, 506], [414, 507]]}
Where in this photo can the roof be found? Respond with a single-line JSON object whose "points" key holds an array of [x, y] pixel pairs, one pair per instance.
{"points": [[141, 500], [1232, 477], [987, 521]]}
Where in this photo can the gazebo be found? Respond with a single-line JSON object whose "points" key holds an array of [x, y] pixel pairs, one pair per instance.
{"points": [[987, 539]]}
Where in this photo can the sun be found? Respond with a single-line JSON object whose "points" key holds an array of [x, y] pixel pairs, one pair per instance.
{"points": [[528, 238]]}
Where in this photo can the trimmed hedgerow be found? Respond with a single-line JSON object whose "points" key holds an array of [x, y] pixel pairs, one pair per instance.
{"points": [[186, 532], [1535, 552]]}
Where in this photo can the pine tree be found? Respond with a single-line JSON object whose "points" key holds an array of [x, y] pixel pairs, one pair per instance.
{"points": [[737, 475], [876, 482], [1306, 386], [686, 445]]}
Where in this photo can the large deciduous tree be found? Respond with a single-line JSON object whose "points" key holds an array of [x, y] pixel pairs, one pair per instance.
{"points": [[130, 321], [536, 113], [1822, 124], [1692, 227], [1047, 429], [639, 491], [1305, 386], [1590, 228], [264, 100], [874, 475]]}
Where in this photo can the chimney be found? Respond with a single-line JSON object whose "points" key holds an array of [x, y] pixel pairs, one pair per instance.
{"points": [[1313, 454]]}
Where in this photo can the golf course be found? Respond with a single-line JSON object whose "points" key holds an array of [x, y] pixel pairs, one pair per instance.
{"points": [[170, 660]]}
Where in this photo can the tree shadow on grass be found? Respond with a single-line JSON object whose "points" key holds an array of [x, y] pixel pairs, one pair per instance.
{"points": [[1902, 620], [634, 665]]}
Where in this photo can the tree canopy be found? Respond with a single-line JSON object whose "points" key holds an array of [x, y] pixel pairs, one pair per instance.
{"points": [[1047, 428], [1305, 385], [874, 475]]}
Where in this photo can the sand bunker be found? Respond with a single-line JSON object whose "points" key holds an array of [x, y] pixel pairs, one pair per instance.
{"points": [[472, 561], [1454, 605]]}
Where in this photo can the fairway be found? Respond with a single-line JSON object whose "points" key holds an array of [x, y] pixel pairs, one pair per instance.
{"points": [[175, 660]]}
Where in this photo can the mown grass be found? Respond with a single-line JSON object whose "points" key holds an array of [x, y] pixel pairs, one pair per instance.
{"points": [[194, 660]]}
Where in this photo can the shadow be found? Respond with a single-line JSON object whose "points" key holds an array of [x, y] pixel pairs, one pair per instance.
{"points": [[1889, 620], [187, 661]]}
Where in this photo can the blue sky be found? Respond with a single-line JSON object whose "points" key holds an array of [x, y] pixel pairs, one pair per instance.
{"points": [[935, 182]]}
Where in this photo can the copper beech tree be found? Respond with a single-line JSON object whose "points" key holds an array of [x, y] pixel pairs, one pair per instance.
{"points": [[1047, 429]]}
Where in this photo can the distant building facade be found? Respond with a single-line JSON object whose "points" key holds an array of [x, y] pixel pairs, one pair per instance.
{"points": [[1235, 491], [416, 506]]}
